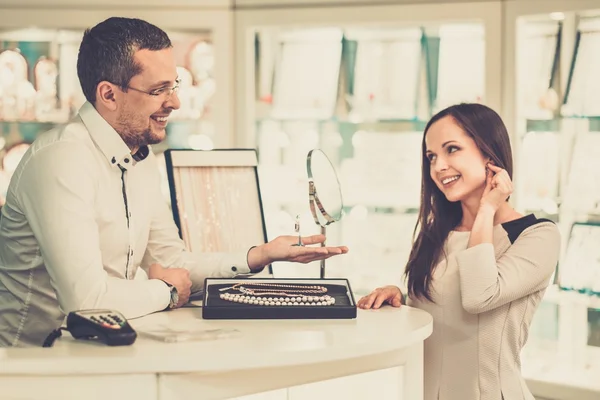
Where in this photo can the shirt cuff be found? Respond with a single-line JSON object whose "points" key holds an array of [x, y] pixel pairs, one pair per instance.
{"points": [[162, 296], [236, 264]]}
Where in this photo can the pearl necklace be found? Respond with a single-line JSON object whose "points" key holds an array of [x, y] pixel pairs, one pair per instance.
{"points": [[276, 288], [279, 301], [273, 294]]}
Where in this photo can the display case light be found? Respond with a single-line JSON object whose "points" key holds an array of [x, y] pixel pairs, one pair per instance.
{"points": [[557, 16]]}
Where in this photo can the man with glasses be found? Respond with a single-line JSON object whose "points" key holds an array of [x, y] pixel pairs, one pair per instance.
{"points": [[84, 209]]}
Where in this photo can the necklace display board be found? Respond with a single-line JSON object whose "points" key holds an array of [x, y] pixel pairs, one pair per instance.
{"points": [[278, 299], [215, 198]]}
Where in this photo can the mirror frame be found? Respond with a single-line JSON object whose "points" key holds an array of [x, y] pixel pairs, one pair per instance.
{"points": [[313, 197]]}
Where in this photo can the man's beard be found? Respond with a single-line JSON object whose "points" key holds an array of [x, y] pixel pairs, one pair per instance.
{"points": [[134, 138]]}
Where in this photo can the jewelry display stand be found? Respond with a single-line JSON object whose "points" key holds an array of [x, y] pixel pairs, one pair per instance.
{"points": [[278, 299], [215, 199]]}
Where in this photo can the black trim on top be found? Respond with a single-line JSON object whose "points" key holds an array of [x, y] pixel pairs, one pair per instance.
{"points": [[515, 227]]}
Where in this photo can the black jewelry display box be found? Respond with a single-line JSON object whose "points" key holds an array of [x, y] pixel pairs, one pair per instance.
{"points": [[215, 307]]}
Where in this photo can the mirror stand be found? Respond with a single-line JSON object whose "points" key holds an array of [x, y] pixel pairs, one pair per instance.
{"points": [[322, 269], [319, 168], [314, 205]]}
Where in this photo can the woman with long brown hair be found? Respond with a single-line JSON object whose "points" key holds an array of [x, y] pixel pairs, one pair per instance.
{"points": [[476, 265]]}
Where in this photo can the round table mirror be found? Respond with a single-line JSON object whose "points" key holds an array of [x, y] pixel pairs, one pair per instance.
{"points": [[324, 192]]}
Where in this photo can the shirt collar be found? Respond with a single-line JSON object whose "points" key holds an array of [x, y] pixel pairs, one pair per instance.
{"points": [[108, 140]]}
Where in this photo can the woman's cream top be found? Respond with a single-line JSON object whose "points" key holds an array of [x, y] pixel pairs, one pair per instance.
{"points": [[484, 300]]}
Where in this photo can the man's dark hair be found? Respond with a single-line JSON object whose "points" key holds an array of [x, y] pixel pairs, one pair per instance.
{"points": [[106, 52]]}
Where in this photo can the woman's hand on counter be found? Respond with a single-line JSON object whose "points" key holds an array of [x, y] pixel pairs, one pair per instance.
{"points": [[386, 294]]}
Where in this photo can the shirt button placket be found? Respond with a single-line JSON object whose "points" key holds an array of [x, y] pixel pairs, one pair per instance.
{"points": [[130, 258]]}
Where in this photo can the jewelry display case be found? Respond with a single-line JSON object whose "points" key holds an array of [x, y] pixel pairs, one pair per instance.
{"points": [[550, 108], [582, 257], [39, 88], [387, 69], [278, 299]]}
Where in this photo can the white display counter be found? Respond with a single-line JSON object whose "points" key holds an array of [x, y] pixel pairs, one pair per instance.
{"points": [[256, 356]]}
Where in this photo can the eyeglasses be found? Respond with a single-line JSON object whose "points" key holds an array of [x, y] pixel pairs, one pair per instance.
{"points": [[165, 92]]}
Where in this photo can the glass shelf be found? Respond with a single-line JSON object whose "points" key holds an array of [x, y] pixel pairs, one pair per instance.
{"points": [[555, 124], [544, 125], [532, 125], [355, 121]]}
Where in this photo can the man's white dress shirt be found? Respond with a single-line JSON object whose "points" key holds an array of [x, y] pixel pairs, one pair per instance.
{"points": [[81, 215]]}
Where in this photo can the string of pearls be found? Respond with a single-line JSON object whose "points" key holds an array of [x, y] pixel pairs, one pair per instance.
{"points": [[279, 301]]}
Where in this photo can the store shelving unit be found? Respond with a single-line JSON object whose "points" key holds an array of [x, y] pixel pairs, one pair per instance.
{"points": [[359, 82], [549, 73], [39, 85]]}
